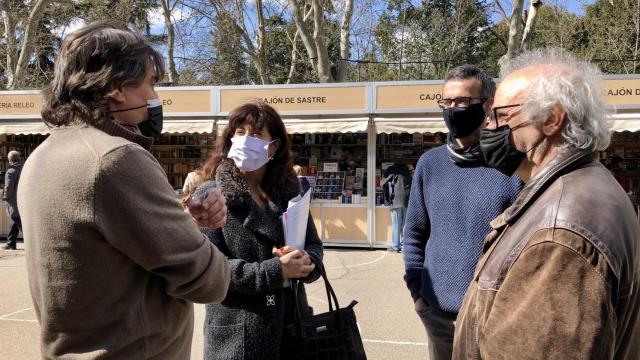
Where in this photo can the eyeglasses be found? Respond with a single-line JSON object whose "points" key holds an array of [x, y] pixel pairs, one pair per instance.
{"points": [[493, 117], [461, 101]]}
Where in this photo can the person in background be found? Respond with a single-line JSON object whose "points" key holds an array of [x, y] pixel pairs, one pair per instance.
{"points": [[454, 195], [193, 180], [398, 178], [10, 196], [304, 183], [560, 274], [114, 263], [618, 170], [253, 166]]}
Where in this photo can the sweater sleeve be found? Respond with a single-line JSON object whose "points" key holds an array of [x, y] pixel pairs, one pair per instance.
{"points": [[138, 213], [416, 232]]}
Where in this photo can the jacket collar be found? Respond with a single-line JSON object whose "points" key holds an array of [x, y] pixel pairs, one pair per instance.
{"points": [[233, 186], [567, 160], [112, 128]]}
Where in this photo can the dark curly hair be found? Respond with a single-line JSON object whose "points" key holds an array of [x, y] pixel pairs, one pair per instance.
{"points": [[279, 173], [94, 61]]}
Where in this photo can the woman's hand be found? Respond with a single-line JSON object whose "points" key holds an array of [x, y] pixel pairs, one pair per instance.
{"points": [[280, 252], [296, 264]]}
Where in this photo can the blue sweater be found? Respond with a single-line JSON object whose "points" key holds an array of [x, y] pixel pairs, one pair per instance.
{"points": [[449, 211]]}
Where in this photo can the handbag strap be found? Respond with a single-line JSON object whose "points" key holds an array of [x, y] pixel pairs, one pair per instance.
{"points": [[332, 299]]}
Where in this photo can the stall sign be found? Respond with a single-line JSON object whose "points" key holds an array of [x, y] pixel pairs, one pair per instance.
{"points": [[185, 101], [173, 101], [20, 104], [309, 99], [621, 91], [396, 97]]}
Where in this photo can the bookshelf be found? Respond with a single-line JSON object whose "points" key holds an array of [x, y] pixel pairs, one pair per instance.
{"points": [[329, 185], [180, 154]]}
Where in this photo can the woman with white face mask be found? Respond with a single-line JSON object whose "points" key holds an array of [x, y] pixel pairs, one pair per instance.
{"points": [[253, 168]]}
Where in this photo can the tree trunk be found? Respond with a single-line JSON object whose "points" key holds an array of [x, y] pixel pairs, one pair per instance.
{"points": [[10, 36], [515, 32], [307, 40], [294, 49], [528, 29], [324, 73], [261, 65], [166, 10], [294, 57], [636, 54], [345, 31], [27, 43]]}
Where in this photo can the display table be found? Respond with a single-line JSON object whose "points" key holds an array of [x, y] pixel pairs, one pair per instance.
{"points": [[347, 224], [341, 223]]}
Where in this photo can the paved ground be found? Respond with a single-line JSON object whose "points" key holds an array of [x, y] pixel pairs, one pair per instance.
{"points": [[390, 328]]}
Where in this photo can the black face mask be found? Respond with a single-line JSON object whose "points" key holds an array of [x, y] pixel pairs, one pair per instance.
{"points": [[498, 151], [152, 127], [462, 122]]}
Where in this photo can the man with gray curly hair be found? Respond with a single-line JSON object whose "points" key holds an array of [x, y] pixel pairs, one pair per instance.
{"points": [[560, 273]]}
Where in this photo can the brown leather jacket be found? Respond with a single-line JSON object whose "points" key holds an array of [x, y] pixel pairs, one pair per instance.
{"points": [[559, 277]]}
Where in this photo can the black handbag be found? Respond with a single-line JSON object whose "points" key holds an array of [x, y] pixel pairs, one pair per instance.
{"points": [[333, 335]]}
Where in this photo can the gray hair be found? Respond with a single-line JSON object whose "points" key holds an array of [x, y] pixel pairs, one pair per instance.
{"points": [[464, 72], [14, 156], [93, 62], [573, 84]]}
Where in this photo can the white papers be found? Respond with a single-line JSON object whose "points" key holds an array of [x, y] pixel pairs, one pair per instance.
{"points": [[294, 221]]}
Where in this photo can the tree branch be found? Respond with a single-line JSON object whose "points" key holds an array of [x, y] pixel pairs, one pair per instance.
{"points": [[27, 42]]}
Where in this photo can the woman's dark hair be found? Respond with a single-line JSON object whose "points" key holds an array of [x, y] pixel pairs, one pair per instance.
{"points": [[94, 61], [279, 173]]}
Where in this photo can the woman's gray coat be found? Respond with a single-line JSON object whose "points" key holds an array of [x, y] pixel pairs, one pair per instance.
{"points": [[248, 324]]}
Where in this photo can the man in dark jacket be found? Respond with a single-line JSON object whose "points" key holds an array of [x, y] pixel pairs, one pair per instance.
{"points": [[560, 273], [11, 179]]}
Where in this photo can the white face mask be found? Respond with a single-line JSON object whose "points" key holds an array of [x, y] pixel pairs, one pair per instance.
{"points": [[249, 153]]}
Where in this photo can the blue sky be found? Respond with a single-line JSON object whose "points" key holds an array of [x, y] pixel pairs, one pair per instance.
{"points": [[577, 6]]}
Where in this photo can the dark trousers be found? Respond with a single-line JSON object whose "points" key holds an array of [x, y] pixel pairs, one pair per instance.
{"points": [[15, 225], [440, 327]]}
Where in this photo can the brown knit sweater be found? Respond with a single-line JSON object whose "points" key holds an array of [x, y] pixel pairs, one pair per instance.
{"points": [[114, 263]]}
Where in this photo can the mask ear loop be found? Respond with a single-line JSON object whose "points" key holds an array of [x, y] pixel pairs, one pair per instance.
{"points": [[525, 123], [277, 146]]}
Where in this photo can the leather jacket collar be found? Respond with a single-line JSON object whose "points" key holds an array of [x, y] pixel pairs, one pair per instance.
{"points": [[567, 160]]}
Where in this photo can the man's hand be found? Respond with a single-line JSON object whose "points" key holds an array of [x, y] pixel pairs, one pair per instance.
{"points": [[210, 210]]}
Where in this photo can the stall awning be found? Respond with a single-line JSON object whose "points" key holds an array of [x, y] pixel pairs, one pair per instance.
{"points": [[188, 126], [168, 127], [410, 125], [625, 122], [23, 128], [314, 126]]}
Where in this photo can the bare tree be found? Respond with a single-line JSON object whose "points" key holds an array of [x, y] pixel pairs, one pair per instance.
{"points": [[234, 13], [167, 10], [314, 39], [345, 32], [521, 26], [19, 49]]}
